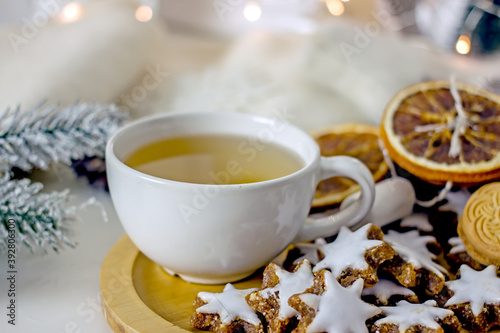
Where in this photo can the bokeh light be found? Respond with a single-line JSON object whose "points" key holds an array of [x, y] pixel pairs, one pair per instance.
{"points": [[335, 7], [71, 12], [252, 11], [143, 13], [463, 45]]}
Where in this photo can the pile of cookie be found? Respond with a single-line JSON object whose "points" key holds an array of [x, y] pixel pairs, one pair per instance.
{"points": [[414, 275], [433, 271]]}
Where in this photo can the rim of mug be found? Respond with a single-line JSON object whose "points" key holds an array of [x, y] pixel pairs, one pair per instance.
{"points": [[111, 157]]}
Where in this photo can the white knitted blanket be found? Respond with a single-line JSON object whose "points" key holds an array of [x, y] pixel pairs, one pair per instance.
{"points": [[312, 78], [338, 74]]}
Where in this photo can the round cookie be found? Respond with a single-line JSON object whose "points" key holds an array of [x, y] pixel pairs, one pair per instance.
{"points": [[479, 226]]}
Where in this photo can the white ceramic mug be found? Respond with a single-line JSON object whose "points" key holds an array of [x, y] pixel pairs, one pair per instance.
{"points": [[223, 233]]}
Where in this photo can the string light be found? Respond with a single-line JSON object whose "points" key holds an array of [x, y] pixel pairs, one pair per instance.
{"points": [[463, 45], [143, 13], [335, 7], [252, 11], [71, 12]]}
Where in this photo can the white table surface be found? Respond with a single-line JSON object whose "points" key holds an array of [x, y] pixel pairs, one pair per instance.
{"points": [[59, 292]]}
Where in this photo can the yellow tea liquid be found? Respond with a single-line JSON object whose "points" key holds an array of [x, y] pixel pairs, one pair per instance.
{"points": [[214, 159]]}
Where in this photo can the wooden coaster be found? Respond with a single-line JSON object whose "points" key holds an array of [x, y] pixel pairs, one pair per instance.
{"points": [[139, 296]]}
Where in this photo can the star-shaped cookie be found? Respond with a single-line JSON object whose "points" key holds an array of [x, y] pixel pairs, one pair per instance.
{"points": [[355, 255], [334, 309], [226, 312], [410, 317], [476, 298], [413, 263], [277, 287]]}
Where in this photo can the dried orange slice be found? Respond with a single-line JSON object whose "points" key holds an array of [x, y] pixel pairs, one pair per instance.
{"points": [[479, 226], [356, 140], [442, 132]]}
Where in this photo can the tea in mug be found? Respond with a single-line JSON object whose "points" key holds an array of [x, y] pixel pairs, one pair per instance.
{"points": [[214, 159]]}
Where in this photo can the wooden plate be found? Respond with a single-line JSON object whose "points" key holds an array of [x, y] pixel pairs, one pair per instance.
{"points": [[137, 295]]}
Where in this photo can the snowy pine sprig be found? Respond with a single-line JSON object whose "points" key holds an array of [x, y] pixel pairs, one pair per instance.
{"points": [[47, 134], [38, 220]]}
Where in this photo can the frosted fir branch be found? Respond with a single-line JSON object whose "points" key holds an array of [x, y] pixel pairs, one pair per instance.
{"points": [[39, 220], [48, 134]]}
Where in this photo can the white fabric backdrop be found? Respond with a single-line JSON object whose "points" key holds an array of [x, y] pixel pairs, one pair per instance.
{"points": [[346, 71]]}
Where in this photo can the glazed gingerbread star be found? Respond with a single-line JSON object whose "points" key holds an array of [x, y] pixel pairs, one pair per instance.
{"points": [[413, 263], [277, 287], [334, 308], [226, 312], [410, 317], [476, 298], [387, 291], [355, 254]]}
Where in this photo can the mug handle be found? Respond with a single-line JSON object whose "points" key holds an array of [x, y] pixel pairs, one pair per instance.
{"points": [[343, 166]]}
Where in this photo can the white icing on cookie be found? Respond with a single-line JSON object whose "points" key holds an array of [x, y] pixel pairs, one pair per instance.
{"points": [[413, 248], [406, 315], [339, 309], [419, 221], [290, 284], [475, 287], [384, 289], [456, 201], [310, 251], [457, 245], [348, 250], [229, 305]]}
